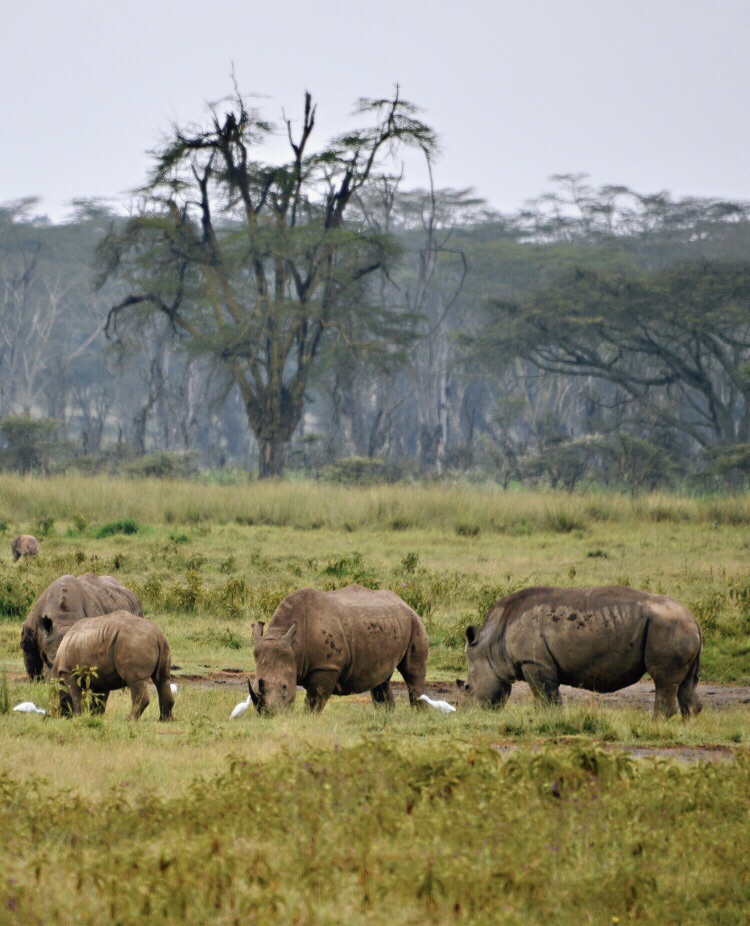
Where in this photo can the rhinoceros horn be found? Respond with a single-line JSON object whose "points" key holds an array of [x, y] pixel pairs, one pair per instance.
{"points": [[258, 632], [253, 696]]}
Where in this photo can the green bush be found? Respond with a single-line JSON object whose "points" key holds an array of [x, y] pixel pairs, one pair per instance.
{"points": [[364, 471], [127, 526], [44, 526], [16, 597], [163, 465]]}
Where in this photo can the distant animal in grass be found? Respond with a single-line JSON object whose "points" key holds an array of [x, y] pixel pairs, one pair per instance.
{"points": [[67, 600], [601, 639], [338, 643], [25, 545], [107, 653]]}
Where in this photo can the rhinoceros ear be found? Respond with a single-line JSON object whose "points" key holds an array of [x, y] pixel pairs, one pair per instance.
{"points": [[471, 635], [46, 623], [290, 635], [258, 632]]}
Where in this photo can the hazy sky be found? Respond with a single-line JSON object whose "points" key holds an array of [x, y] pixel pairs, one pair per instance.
{"points": [[650, 94]]}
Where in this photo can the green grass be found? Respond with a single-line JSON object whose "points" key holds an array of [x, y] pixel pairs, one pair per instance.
{"points": [[405, 818], [208, 560], [527, 815]]}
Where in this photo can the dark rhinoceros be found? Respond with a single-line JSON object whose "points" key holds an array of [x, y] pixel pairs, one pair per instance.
{"points": [[341, 642], [602, 639], [67, 600], [113, 651]]}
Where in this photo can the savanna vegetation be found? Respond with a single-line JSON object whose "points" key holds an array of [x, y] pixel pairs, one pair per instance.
{"points": [[466, 402], [524, 814], [313, 315]]}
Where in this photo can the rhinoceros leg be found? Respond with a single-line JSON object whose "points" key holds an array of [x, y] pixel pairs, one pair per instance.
{"points": [[319, 687], [70, 696], [665, 700], [413, 667], [383, 695], [140, 698], [690, 704], [543, 683]]}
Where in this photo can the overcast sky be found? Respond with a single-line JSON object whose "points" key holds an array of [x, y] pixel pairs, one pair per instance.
{"points": [[650, 94]]}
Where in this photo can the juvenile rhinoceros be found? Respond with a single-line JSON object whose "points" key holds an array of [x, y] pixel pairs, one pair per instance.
{"points": [[24, 545], [113, 651], [602, 639], [342, 642], [67, 600]]}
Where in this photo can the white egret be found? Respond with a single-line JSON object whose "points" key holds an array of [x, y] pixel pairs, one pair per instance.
{"points": [[443, 706], [173, 688], [28, 707], [241, 708]]}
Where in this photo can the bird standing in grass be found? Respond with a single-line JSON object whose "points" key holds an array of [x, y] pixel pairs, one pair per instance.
{"points": [[28, 707], [443, 706]]}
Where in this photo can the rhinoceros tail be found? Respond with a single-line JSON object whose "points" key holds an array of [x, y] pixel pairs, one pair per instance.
{"points": [[163, 670], [695, 669]]}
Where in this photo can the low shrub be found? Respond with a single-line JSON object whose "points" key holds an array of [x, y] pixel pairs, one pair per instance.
{"points": [[128, 526], [16, 596], [163, 465], [364, 471]]}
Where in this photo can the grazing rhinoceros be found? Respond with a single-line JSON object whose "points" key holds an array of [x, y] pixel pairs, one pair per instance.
{"points": [[25, 545], [342, 642], [601, 638], [110, 652], [66, 601]]}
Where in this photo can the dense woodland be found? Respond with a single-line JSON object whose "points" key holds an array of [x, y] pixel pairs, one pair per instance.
{"points": [[296, 319]]}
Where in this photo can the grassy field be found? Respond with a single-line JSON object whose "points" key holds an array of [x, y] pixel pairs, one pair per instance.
{"points": [[529, 815]]}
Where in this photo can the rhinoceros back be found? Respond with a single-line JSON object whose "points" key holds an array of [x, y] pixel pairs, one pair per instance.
{"points": [[362, 633], [596, 638], [68, 600]]}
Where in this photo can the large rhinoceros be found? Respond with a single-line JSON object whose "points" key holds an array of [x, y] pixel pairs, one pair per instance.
{"points": [[342, 642], [67, 600], [602, 639], [110, 652]]}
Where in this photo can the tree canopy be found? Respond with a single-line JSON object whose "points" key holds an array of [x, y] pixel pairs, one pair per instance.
{"points": [[254, 263], [682, 333]]}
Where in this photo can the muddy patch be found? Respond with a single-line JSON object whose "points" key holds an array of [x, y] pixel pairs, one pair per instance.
{"points": [[640, 695]]}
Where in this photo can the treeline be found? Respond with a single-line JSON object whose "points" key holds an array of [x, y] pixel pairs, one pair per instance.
{"points": [[597, 335]]}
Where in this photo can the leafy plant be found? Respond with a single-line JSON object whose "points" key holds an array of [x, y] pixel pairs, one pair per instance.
{"points": [[127, 526], [4, 694]]}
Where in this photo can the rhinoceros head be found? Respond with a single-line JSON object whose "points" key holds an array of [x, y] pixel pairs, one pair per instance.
{"points": [[275, 671], [50, 634], [58, 612], [482, 684]]}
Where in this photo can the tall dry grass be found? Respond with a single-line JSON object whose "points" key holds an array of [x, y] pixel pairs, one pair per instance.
{"points": [[465, 509]]}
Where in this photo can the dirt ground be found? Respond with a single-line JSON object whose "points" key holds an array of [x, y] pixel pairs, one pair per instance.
{"points": [[718, 697], [640, 695]]}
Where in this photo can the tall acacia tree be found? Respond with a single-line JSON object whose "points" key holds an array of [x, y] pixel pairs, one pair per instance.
{"points": [[253, 262]]}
